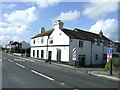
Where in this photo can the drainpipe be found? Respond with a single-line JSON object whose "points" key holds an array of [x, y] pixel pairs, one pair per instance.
{"points": [[47, 48], [103, 53], [91, 54]]}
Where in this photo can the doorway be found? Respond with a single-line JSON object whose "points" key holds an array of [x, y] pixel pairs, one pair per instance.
{"points": [[37, 53], [49, 55], [82, 59], [58, 55]]}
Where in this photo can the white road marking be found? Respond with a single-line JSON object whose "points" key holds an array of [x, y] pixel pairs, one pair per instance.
{"points": [[30, 60], [18, 60], [20, 65], [62, 83], [42, 75], [27, 59], [4, 58], [10, 55], [10, 60], [0, 59]]}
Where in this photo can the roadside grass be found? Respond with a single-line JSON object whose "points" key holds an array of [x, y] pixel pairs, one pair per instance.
{"points": [[115, 65]]}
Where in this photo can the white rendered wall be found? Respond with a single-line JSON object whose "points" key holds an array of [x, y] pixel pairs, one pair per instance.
{"points": [[64, 53], [38, 41], [38, 48], [59, 38]]}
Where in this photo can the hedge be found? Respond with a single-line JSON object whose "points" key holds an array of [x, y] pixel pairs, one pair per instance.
{"points": [[115, 65]]}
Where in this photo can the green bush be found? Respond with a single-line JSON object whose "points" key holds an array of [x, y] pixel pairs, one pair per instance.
{"points": [[115, 65]]}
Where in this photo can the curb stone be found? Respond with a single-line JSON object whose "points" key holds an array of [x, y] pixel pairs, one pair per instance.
{"points": [[104, 76]]}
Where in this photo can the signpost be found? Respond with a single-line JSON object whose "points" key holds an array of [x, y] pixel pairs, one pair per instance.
{"points": [[109, 56], [74, 55]]}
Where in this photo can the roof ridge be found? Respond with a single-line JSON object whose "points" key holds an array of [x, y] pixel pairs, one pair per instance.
{"points": [[43, 34]]}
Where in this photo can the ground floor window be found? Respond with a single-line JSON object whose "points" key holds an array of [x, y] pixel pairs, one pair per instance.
{"points": [[42, 53], [82, 58], [33, 53], [37, 53]]}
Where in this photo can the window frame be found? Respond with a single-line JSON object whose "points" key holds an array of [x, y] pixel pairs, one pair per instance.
{"points": [[34, 41], [42, 40], [96, 57], [81, 43]]}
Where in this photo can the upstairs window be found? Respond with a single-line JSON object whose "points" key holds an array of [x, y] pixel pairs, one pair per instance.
{"points": [[33, 41], [42, 40], [96, 57], [98, 42], [38, 40], [80, 43], [51, 41]]}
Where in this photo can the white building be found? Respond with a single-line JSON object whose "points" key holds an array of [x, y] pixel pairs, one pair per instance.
{"points": [[64, 45]]}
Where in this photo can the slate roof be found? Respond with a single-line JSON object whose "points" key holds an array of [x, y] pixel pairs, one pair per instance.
{"points": [[47, 33], [84, 35], [76, 34], [14, 43]]}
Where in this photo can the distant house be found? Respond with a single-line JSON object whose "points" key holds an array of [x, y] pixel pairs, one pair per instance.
{"points": [[117, 44], [12, 45], [25, 45], [71, 46]]}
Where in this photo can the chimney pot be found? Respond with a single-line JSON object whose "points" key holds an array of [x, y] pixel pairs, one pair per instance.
{"points": [[58, 24]]}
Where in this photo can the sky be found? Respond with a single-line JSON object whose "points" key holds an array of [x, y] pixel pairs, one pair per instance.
{"points": [[20, 21]]}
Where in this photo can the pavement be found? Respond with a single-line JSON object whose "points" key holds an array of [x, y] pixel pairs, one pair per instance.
{"points": [[106, 75], [94, 71]]}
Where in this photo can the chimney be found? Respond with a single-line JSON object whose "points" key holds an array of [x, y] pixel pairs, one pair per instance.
{"points": [[58, 24], [42, 30], [100, 33]]}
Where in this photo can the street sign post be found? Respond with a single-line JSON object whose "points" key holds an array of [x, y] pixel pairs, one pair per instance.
{"points": [[109, 56], [74, 54]]}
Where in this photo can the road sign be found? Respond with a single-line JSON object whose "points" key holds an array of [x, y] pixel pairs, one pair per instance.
{"points": [[109, 54], [109, 50], [74, 54]]}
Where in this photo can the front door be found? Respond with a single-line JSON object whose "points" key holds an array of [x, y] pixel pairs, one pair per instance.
{"points": [[58, 55]]}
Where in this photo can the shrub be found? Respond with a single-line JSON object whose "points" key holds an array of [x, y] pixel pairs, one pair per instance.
{"points": [[115, 65]]}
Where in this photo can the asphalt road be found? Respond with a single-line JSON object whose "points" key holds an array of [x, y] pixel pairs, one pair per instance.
{"points": [[22, 73]]}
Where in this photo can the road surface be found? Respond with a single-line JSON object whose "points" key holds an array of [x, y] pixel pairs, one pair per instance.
{"points": [[22, 73]]}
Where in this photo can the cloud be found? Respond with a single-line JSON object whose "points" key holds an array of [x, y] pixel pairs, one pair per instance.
{"points": [[68, 16], [16, 24], [47, 3], [6, 39], [6, 28], [99, 9], [12, 33], [21, 17], [108, 26], [8, 6]]}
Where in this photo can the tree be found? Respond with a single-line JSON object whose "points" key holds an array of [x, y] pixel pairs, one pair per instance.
{"points": [[16, 49]]}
